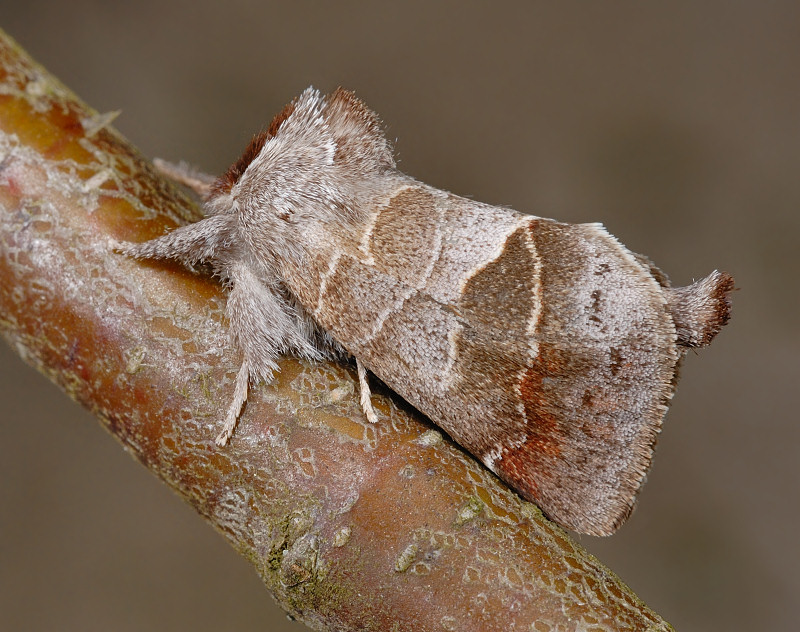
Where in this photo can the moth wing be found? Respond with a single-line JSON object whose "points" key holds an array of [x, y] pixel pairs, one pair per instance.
{"points": [[545, 349]]}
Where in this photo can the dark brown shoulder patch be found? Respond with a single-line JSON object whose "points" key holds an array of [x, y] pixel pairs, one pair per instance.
{"points": [[346, 103], [358, 132], [279, 119], [225, 182]]}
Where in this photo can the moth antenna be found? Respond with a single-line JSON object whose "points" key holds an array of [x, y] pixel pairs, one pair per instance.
{"points": [[366, 394], [186, 174], [239, 398]]}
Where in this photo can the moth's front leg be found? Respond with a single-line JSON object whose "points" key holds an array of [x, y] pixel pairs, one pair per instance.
{"points": [[264, 326], [191, 244]]}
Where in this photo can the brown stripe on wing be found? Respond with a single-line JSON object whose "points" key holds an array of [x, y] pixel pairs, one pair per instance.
{"points": [[502, 297], [493, 348], [405, 241], [356, 300], [595, 394]]}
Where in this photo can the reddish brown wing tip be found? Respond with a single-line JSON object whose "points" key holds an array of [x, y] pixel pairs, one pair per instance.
{"points": [[700, 310]]}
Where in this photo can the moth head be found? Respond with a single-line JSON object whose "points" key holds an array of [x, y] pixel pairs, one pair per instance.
{"points": [[307, 165]]}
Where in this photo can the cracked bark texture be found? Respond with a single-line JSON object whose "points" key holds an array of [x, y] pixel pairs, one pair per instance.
{"points": [[352, 526]]}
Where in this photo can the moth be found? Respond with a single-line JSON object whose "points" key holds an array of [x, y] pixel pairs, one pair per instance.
{"points": [[547, 350]]}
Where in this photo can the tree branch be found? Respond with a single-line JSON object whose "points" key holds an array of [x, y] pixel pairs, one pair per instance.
{"points": [[352, 526]]}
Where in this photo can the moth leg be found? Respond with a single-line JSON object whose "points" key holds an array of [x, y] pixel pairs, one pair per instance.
{"points": [[186, 174], [239, 398], [263, 326], [366, 402], [190, 244]]}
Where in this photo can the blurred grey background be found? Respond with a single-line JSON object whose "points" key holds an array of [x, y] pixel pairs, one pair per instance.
{"points": [[675, 124]]}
